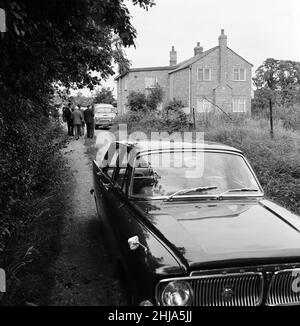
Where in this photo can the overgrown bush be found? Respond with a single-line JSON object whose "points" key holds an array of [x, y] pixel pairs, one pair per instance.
{"points": [[170, 119], [30, 164], [173, 118], [139, 101]]}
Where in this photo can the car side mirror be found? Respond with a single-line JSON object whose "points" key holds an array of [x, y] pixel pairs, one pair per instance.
{"points": [[134, 243]]}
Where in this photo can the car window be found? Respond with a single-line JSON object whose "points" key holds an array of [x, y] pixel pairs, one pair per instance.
{"points": [[104, 110], [109, 162], [162, 174], [121, 174], [121, 178]]}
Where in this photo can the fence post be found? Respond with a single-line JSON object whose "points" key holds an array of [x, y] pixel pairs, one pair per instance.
{"points": [[194, 119], [271, 119]]}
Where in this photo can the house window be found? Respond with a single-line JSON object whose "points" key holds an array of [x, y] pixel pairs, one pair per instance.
{"points": [[203, 105], [204, 74], [239, 74], [239, 105], [150, 82]]}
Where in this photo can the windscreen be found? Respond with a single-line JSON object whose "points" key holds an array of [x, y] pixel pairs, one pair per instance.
{"points": [[161, 174]]}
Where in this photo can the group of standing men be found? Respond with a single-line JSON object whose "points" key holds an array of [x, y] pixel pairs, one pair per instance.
{"points": [[76, 119]]}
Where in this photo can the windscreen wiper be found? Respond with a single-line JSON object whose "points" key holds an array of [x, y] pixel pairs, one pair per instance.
{"points": [[236, 190], [185, 191]]}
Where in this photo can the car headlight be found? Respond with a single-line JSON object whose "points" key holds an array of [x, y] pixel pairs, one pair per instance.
{"points": [[177, 293]]}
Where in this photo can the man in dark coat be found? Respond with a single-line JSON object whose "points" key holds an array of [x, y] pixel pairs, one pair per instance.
{"points": [[89, 120], [67, 117]]}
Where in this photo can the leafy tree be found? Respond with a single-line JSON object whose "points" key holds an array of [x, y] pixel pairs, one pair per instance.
{"points": [[80, 100], [48, 46], [155, 97], [137, 101], [49, 41], [277, 81], [140, 101], [105, 95]]}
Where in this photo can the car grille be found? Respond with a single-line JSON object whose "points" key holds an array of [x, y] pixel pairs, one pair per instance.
{"points": [[284, 288], [264, 286], [245, 289]]}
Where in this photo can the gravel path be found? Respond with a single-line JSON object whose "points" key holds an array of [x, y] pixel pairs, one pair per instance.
{"points": [[83, 272]]}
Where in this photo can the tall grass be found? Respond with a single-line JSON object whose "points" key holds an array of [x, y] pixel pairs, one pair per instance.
{"points": [[289, 116]]}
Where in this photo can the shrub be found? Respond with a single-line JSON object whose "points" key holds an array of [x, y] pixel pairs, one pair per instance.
{"points": [[155, 97], [173, 118], [30, 164], [137, 101]]}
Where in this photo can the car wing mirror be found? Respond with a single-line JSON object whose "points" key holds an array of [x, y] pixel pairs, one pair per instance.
{"points": [[134, 243]]}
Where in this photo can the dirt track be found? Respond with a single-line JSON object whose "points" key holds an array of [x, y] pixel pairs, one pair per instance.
{"points": [[83, 272]]}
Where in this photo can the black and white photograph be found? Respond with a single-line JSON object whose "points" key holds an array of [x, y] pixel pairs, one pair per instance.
{"points": [[149, 156]]}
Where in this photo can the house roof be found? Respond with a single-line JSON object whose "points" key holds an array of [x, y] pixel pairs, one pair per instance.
{"points": [[182, 65], [240, 56], [186, 63], [145, 69]]}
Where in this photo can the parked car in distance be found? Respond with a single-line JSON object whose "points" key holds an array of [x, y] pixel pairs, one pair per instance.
{"points": [[104, 115], [188, 224]]}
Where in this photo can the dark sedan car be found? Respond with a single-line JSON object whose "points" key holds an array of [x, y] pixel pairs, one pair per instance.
{"points": [[189, 225]]}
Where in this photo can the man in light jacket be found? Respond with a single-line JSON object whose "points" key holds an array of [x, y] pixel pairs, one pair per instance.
{"points": [[77, 118]]}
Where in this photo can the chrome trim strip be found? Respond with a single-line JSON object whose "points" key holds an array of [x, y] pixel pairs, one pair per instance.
{"points": [[258, 268]]}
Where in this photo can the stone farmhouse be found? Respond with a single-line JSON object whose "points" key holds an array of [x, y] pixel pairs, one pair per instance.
{"points": [[210, 81]]}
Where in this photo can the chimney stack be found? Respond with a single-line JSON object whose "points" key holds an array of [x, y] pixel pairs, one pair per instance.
{"points": [[223, 39], [198, 49], [173, 57], [223, 57]]}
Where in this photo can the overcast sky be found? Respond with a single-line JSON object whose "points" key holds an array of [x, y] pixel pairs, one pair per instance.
{"points": [[256, 29]]}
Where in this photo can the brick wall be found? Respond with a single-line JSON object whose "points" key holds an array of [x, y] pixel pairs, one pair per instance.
{"points": [[239, 88], [205, 88], [179, 86]]}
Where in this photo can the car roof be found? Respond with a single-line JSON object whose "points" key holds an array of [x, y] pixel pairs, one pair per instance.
{"points": [[154, 145]]}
